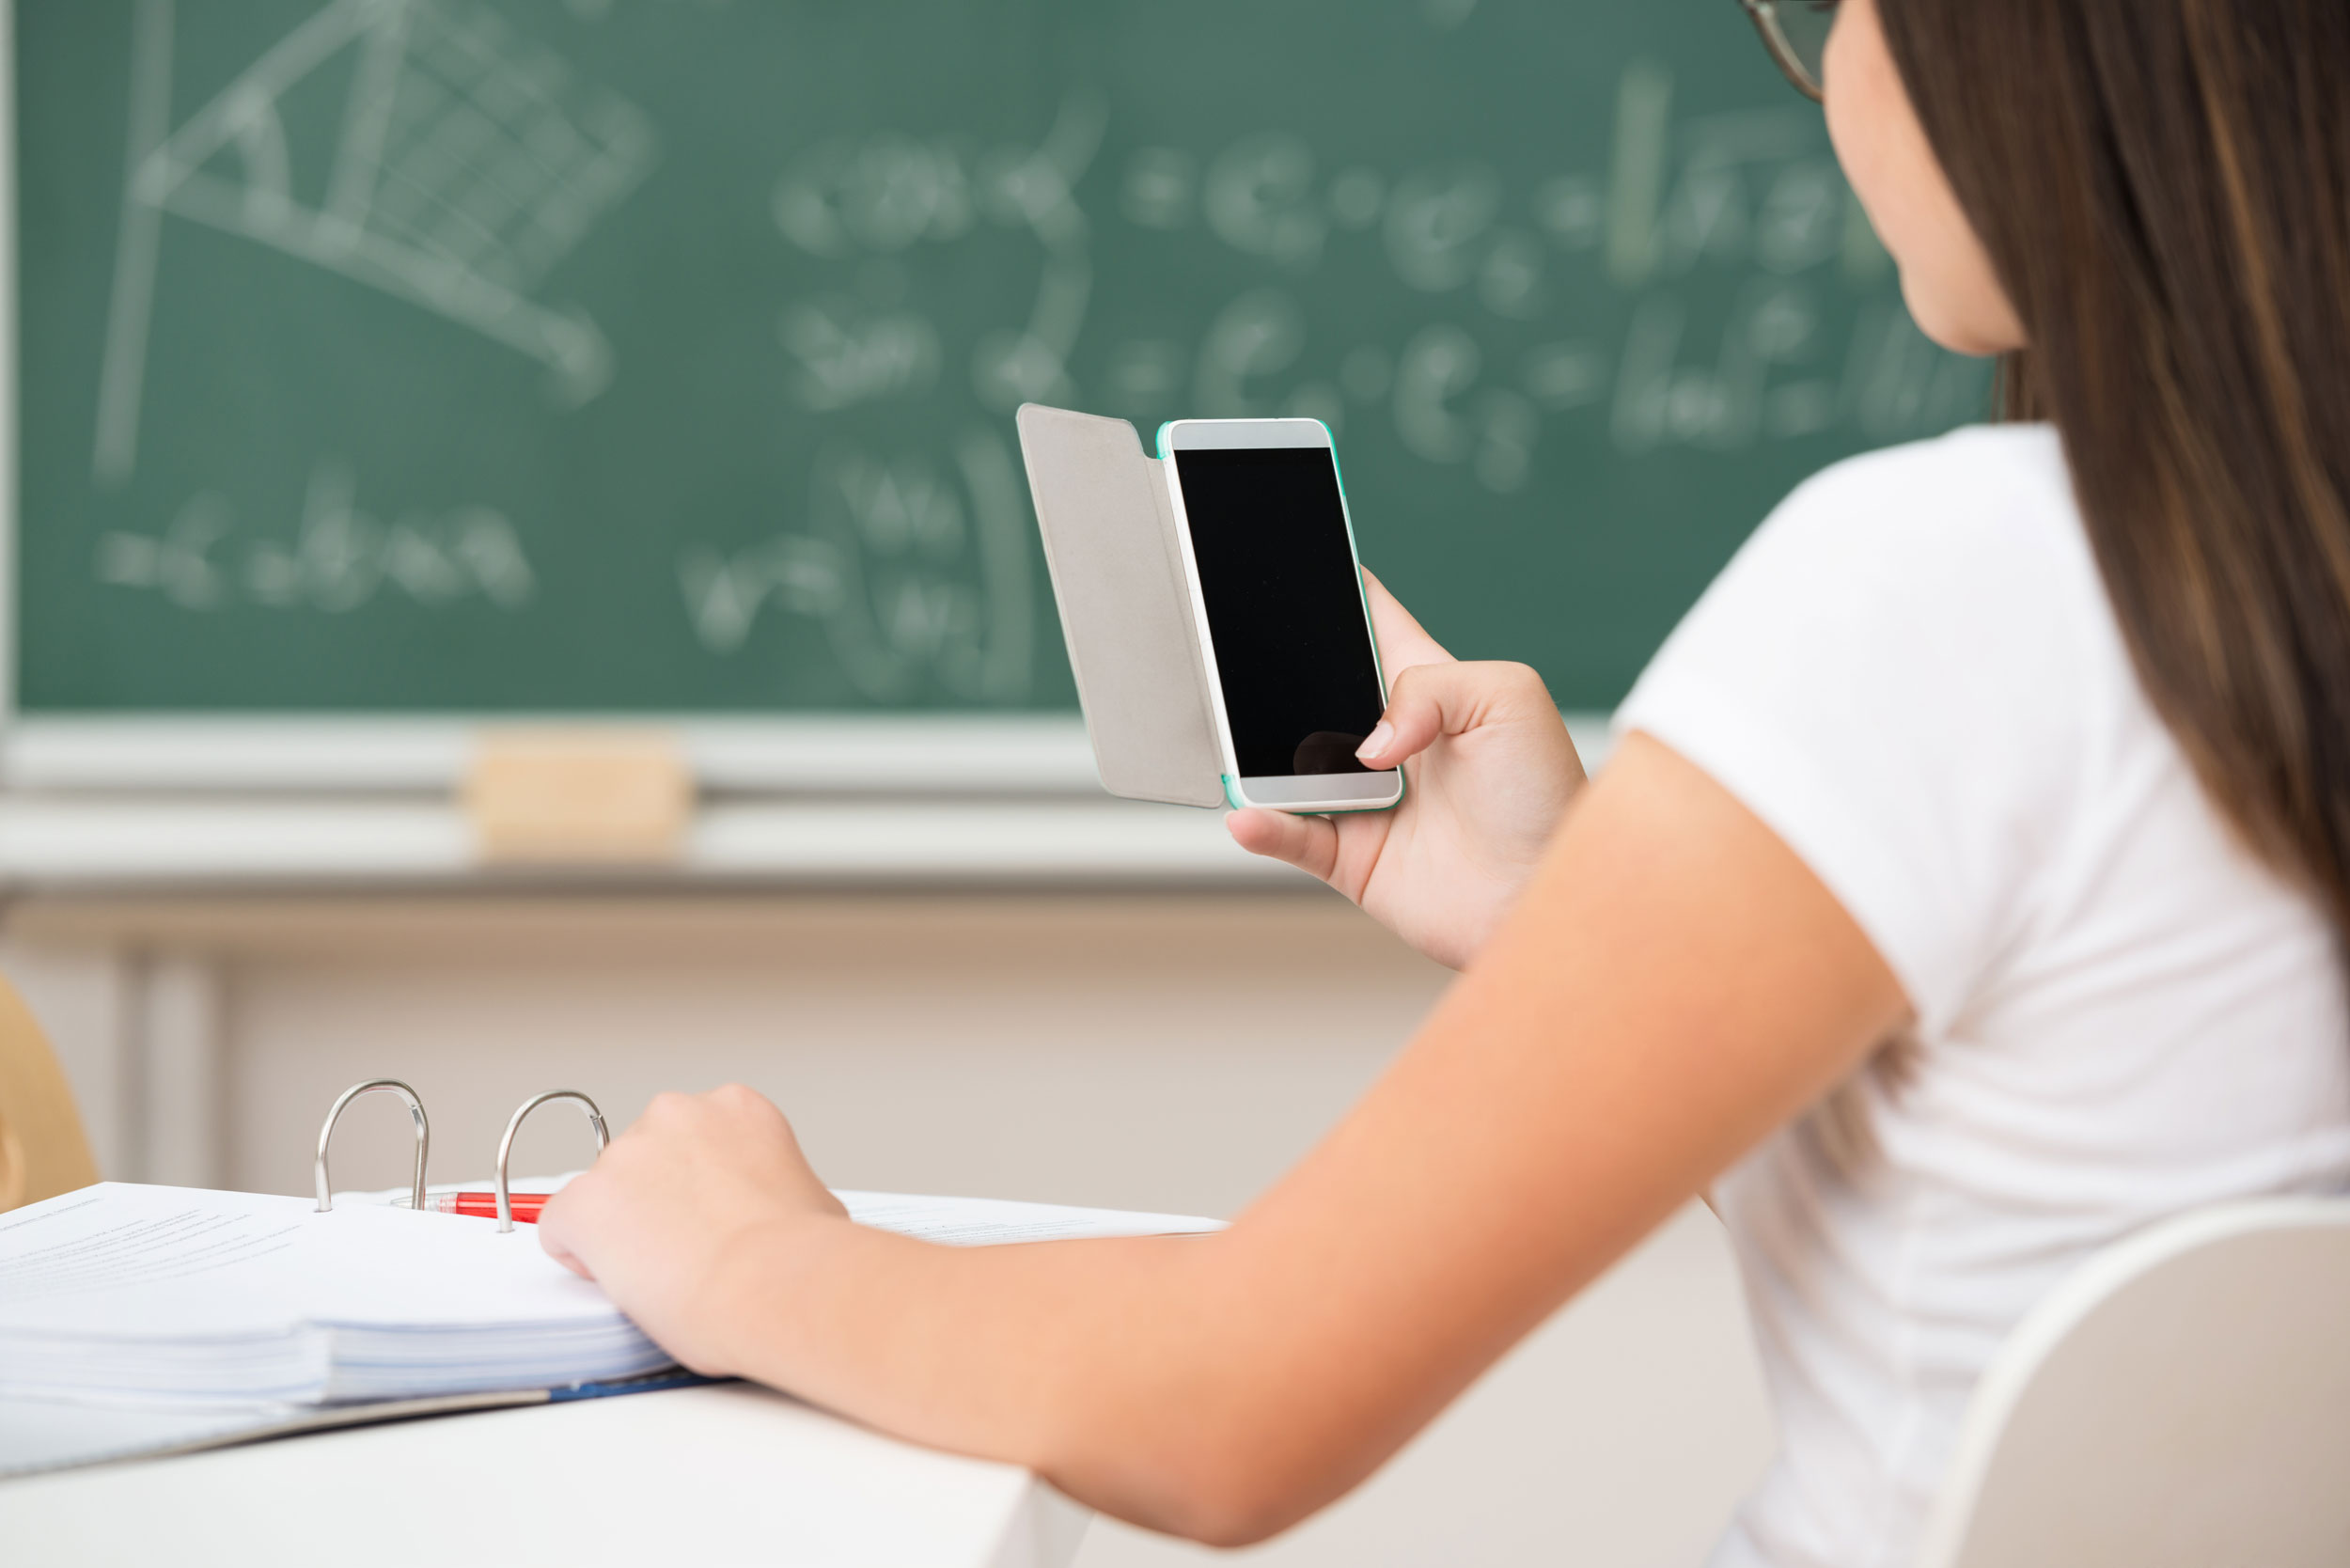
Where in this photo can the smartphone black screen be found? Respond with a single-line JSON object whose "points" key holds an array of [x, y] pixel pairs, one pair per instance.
{"points": [[1285, 609]]}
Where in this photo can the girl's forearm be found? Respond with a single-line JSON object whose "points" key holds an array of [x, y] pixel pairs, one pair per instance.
{"points": [[1054, 1356]]}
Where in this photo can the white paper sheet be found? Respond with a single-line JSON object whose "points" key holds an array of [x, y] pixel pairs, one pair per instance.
{"points": [[996, 1221], [951, 1221]]}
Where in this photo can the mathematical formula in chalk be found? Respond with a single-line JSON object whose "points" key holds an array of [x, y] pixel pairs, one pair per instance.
{"points": [[706, 321]]}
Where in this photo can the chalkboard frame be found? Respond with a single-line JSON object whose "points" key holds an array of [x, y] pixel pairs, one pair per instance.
{"points": [[337, 751]]}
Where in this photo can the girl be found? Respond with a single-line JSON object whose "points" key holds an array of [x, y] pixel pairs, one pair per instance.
{"points": [[1966, 892]]}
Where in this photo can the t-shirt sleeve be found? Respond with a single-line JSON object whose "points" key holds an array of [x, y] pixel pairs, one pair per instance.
{"points": [[1888, 674]]}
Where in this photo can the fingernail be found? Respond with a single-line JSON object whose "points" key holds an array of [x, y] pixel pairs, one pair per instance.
{"points": [[1376, 741]]}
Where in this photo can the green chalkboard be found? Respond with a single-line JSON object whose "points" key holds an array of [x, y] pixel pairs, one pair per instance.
{"points": [[394, 356]]}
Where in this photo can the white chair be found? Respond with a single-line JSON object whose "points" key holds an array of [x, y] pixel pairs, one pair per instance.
{"points": [[2182, 1402]]}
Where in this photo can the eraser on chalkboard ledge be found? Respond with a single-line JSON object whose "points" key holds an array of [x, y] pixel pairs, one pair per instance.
{"points": [[582, 797]]}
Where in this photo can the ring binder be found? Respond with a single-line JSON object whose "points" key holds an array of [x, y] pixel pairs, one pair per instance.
{"points": [[506, 1144], [416, 1110], [418, 1319], [424, 1139]]}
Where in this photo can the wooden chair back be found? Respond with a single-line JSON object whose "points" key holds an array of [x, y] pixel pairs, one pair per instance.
{"points": [[44, 1150]]}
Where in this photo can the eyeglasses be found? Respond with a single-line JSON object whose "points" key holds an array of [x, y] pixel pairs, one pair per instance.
{"points": [[1796, 32]]}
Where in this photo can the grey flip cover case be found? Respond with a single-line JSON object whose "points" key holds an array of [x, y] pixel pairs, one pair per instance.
{"points": [[1125, 610]]}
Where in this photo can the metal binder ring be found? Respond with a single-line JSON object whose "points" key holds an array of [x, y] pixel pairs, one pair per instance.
{"points": [[506, 1144], [424, 1137]]}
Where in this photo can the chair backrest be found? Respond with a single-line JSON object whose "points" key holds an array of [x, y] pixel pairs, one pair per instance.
{"points": [[2182, 1402], [42, 1149]]}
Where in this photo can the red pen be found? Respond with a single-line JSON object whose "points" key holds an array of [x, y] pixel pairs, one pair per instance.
{"points": [[485, 1205]]}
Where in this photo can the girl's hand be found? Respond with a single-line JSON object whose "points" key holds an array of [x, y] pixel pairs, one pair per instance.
{"points": [[1490, 771], [698, 1181]]}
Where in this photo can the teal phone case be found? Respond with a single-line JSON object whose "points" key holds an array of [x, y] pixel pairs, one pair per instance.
{"points": [[1403, 787]]}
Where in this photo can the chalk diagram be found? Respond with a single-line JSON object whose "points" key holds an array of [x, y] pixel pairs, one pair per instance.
{"points": [[468, 161]]}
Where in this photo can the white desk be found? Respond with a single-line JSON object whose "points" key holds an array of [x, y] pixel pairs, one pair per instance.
{"points": [[698, 1477]]}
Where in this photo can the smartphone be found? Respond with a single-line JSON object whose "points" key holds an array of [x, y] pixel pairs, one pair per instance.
{"points": [[1285, 629]]}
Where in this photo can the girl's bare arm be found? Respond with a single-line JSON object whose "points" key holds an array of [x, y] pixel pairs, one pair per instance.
{"points": [[1673, 984]]}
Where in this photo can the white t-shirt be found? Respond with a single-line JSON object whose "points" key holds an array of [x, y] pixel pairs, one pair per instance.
{"points": [[1912, 674]]}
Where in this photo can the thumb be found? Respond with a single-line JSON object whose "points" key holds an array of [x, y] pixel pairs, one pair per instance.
{"points": [[1429, 700], [1308, 843], [1402, 641]]}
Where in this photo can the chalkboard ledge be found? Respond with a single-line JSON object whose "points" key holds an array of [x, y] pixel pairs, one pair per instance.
{"points": [[954, 754], [942, 754], [164, 842], [361, 805]]}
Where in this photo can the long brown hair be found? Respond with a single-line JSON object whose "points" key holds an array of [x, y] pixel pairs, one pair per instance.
{"points": [[2164, 189]]}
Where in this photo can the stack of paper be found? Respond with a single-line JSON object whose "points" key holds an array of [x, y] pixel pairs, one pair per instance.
{"points": [[157, 1319], [164, 1295]]}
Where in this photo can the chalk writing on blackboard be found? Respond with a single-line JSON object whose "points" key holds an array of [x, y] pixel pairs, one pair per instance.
{"points": [[883, 566], [335, 559], [706, 321]]}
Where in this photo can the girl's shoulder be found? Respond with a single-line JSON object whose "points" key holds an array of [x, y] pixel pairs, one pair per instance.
{"points": [[1978, 456], [1896, 673], [1981, 492], [1924, 550]]}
